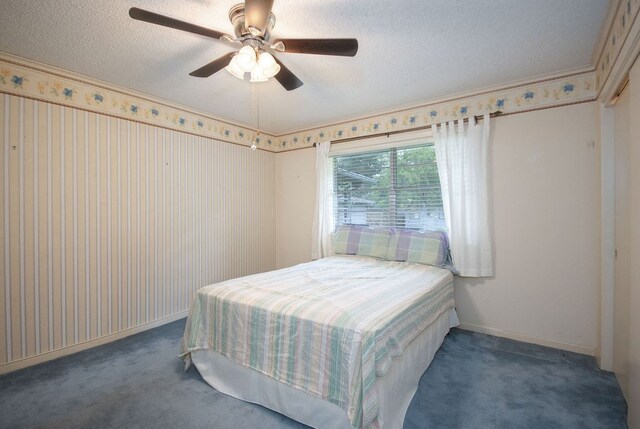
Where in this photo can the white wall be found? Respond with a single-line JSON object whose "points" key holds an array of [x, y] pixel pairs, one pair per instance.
{"points": [[546, 222]]}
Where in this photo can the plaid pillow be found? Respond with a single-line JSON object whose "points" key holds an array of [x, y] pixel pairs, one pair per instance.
{"points": [[360, 240], [430, 247]]}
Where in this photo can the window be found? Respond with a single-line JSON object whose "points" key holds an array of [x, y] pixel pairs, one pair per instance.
{"points": [[396, 187]]}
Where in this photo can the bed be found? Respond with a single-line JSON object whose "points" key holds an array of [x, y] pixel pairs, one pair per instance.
{"points": [[340, 342]]}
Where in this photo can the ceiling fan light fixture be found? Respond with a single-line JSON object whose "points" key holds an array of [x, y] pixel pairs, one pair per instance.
{"points": [[268, 64], [246, 58], [234, 68], [257, 75]]}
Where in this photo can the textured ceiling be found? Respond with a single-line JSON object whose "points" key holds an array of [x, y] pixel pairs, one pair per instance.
{"points": [[410, 52]]}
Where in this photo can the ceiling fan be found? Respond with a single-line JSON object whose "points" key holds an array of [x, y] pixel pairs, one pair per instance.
{"points": [[252, 24]]}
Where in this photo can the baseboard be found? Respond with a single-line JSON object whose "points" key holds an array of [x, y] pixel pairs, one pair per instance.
{"points": [[528, 339], [44, 357]]}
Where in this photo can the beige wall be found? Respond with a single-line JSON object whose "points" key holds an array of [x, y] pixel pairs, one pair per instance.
{"points": [[626, 345], [546, 229], [546, 223], [109, 225], [295, 190]]}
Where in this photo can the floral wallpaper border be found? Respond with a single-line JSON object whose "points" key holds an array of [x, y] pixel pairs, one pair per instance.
{"points": [[619, 30], [24, 80], [550, 93]]}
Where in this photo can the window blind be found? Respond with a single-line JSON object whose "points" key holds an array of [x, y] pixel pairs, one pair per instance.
{"points": [[395, 187]]}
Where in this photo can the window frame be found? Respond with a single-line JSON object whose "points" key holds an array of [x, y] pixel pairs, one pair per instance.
{"points": [[377, 144], [387, 141]]}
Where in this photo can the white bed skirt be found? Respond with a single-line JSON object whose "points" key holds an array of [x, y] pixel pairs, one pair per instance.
{"points": [[395, 389]]}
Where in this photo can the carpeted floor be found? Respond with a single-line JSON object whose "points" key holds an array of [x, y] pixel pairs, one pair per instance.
{"points": [[475, 381]]}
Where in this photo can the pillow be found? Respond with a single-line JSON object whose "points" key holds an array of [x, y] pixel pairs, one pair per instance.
{"points": [[361, 240], [429, 247]]}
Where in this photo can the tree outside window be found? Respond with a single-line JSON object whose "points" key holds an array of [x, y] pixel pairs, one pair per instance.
{"points": [[398, 187]]}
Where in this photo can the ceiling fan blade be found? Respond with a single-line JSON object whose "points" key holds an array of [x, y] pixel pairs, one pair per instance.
{"points": [[342, 47], [256, 15], [154, 18], [213, 66], [287, 79]]}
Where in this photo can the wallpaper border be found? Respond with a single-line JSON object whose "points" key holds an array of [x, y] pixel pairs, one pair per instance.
{"points": [[616, 33], [23, 78], [569, 89]]}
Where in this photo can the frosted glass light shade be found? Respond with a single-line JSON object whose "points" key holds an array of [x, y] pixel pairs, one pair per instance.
{"points": [[261, 70], [268, 65], [257, 75], [234, 69], [246, 58]]}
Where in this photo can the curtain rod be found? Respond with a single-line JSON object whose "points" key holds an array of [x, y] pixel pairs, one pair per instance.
{"points": [[476, 118]]}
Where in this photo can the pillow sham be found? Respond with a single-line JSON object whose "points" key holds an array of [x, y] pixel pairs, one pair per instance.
{"points": [[361, 240], [429, 247]]}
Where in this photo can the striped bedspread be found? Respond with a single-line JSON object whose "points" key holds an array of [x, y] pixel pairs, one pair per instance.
{"points": [[327, 327]]}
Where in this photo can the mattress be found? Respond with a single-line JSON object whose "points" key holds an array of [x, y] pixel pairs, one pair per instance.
{"points": [[331, 328]]}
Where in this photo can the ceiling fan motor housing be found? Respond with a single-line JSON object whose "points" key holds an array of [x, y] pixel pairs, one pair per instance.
{"points": [[236, 16]]}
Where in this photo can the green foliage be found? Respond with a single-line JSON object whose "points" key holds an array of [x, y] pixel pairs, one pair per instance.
{"points": [[364, 182]]}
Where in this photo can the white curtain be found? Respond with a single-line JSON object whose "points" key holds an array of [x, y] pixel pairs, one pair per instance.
{"points": [[462, 157], [322, 222]]}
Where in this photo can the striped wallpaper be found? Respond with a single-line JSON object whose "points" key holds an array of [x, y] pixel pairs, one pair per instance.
{"points": [[109, 224]]}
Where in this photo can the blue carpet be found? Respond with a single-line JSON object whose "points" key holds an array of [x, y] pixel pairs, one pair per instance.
{"points": [[475, 381], [482, 381]]}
